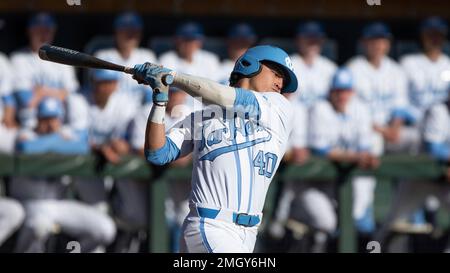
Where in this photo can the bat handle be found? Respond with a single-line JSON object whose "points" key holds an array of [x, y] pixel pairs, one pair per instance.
{"points": [[167, 79]]}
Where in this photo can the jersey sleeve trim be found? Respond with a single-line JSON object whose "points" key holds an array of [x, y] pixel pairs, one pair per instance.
{"points": [[167, 153]]}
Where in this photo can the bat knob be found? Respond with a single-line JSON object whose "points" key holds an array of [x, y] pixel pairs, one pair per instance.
{"points": [[167, 79]]}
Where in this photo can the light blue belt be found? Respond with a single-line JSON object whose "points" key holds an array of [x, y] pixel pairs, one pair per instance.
{"points": [[242, 219]]}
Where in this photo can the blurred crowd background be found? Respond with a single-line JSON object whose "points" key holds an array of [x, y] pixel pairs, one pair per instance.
{"points": [[373, 81]]}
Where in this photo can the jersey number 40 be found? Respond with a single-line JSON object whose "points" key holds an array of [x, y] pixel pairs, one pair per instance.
{"points": [[266, 163]]}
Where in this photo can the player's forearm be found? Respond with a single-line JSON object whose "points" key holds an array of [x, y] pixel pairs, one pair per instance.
{"points": [[155, 136], [210, 91]]}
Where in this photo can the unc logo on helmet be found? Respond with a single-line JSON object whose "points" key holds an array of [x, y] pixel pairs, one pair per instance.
{"points": [[249, 65], [289, 63]]}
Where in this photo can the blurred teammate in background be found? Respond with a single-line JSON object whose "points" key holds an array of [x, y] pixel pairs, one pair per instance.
{"points": [[35, 79], [128, 34], [47, 207], [240, 38], [380, 83], [188, 56], [315, 69], [110, 116]]}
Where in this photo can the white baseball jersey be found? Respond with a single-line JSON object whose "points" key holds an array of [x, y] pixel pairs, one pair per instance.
{"points": [[437, 125], [234, 160], [126, 82], [5, 76], [429, 81], [113, 120], [351, 131], [315, 79], [299, 134], [30, 71], [383, 89], [205, 64], [141, 118]]}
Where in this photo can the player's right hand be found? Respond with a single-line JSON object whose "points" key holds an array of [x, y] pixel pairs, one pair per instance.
{"points": [[152, 75]]}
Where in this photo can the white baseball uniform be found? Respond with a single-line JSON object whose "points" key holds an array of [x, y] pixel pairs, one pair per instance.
{"points": [[315, 79], [126, 82], [234, 160], [429, 81]]}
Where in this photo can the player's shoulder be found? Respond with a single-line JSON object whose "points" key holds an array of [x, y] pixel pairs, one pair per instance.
{"points": [[276, 100]]}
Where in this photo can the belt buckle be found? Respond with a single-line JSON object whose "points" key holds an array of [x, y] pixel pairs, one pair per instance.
{"points": [[243, 214]]}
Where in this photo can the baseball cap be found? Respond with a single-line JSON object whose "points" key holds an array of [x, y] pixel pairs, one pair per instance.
{"points": [[376, 30], [50, 108], [190, 30], [128, 20], [342, 80], [42, 19], [241, 31], [311, 29], [105, 75], [434, 23]]}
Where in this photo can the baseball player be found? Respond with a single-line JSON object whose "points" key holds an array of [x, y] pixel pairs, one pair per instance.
{"points": [[176, 203], [240, 37], [427, 72], [110, 113], [189, 57], [48, 211], [128, 32], [436, 136], [427, 85], [381, 84], [316, 70], [236, 144], [34, 78]]}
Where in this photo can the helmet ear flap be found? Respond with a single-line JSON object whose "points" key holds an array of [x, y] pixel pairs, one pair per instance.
{"points": [[246, 66]]}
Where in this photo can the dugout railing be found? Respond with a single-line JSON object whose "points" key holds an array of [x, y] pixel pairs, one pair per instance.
{"points": [[392, 167]]}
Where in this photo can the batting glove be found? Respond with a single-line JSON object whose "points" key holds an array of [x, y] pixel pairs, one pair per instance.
{"points": [[152, 75]]}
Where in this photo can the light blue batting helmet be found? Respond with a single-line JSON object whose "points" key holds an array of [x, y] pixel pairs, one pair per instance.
{"points": [[249, 65]]}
